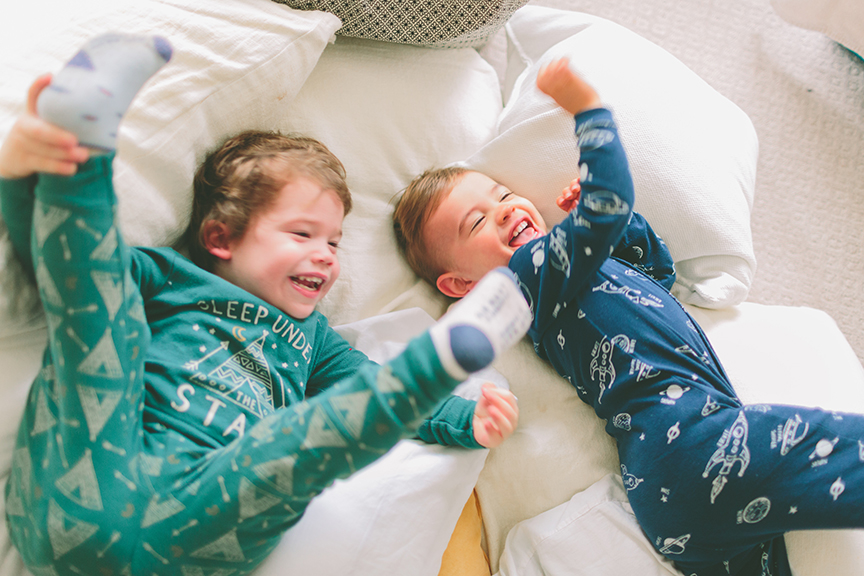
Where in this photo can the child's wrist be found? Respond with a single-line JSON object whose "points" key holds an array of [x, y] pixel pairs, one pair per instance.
{"points": [[91, 185]]}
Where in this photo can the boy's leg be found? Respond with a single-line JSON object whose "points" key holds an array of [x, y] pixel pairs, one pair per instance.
{"points": [[83, 419], [720, 499], [82, 424]]}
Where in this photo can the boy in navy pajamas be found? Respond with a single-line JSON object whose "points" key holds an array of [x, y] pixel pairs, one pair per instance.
{"points": [[714, 484], [183, 417]]}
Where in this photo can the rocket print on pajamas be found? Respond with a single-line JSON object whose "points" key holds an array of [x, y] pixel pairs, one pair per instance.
{"points": [[732, 450], [714, 484], [602, 368]]}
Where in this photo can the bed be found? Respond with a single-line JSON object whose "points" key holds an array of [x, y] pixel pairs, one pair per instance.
{"points": [[550, 499]]}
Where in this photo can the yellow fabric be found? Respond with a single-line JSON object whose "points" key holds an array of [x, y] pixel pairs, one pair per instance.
{"points": [[464, 555]]}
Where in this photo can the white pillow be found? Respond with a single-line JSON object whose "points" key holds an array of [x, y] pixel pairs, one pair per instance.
{"points": [[840, 20], [595, 532], [389, 112], [396, 515], [692, 152]]}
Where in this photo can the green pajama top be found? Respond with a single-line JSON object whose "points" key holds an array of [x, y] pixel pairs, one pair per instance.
{"points": [[164, 433]]}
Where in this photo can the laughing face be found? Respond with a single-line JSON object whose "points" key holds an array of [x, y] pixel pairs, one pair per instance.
{"points": [[477, 227], [287, 256]]}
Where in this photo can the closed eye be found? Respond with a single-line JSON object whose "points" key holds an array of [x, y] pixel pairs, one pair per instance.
{"points": [[505, 196], [477, 223]]}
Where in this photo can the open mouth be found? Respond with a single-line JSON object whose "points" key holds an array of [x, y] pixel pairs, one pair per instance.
{"points": [[310, 283], [522, 233]]}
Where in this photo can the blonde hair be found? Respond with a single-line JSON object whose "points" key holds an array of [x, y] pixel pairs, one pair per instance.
{"points": [[413, 209], [243, 176]]}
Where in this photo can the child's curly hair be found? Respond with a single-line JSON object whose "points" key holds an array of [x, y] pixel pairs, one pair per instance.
{"points": [[413, 208], [242, 177]]}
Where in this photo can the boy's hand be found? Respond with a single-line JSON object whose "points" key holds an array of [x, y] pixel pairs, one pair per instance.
{"points": [[567, 89], [34, 145], [495, 416], [569, 197]]}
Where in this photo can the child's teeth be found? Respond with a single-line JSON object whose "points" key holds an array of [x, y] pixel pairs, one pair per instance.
{"points": [[519, 229], [312, 282]]}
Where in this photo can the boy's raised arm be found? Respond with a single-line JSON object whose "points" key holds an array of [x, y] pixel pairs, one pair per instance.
{"points": [[599, 205]]}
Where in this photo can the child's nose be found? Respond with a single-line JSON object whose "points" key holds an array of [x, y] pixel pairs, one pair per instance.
{"points": [[324, 253], [504, 213]]}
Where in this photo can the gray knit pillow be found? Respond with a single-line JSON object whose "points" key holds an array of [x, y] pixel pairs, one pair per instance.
{"points": [[434, 23]]}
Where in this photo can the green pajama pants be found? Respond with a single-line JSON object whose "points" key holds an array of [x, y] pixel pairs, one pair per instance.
{"points": [[96, 490]]}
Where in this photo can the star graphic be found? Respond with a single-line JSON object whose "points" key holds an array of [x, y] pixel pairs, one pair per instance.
{"points": [[793, 509]]}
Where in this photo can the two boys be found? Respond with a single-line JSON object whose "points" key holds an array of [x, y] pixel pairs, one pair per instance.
{"points": [[711, 483], [185, 415]]}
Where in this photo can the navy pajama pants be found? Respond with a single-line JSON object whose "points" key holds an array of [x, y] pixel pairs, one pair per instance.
{"points": [[715, 494]]}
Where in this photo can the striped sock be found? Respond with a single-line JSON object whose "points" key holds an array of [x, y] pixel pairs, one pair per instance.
{"points": [[486, 322], [90, 95]]}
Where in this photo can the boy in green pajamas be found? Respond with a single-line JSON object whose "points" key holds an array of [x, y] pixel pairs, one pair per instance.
{"points": [[184, 417]]}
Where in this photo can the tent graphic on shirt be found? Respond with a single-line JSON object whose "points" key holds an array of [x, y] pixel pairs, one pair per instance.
{"points": [[245, 380]]}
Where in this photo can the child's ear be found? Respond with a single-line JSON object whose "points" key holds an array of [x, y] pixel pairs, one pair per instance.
{"points": [[454, 286], [216, 239]]}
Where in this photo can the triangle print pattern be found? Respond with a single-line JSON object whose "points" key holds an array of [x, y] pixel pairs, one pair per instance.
{"points": [[65, 531], [80, 484], [103, 359]]}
